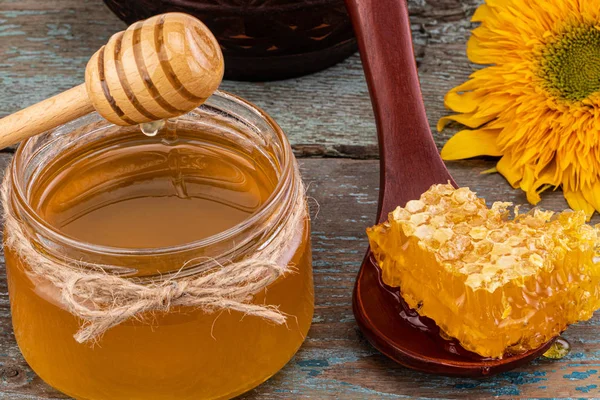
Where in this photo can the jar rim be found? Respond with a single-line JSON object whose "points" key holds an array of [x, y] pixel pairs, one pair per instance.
{"points": [[265, 209]]}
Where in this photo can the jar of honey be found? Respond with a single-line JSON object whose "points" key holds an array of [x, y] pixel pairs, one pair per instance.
{"points": [[202, 191]]}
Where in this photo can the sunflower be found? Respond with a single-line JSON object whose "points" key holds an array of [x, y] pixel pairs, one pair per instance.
{"points": [[536, 104]]}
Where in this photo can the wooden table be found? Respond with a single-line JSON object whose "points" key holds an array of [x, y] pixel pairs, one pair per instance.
{"points": [[44, 46]]}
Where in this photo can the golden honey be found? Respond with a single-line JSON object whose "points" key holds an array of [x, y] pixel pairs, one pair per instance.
{"points": [[148, 194], [144, 206], [497, 285]]}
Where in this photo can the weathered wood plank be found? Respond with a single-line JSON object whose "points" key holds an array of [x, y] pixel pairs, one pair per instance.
{"points": [[44, 47], [336, 361]]}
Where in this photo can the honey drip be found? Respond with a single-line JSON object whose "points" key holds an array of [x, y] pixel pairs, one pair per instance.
{"points": [[498, 286], [559, 349], [150, 129]]}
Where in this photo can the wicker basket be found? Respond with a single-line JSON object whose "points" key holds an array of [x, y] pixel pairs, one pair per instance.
{"points": [[263, 39]]}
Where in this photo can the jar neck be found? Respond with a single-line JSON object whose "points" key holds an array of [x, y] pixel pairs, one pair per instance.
{"points": [[226, 116]]}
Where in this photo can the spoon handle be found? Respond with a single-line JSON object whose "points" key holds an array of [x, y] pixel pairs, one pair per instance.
{"points": [[410, 161]]}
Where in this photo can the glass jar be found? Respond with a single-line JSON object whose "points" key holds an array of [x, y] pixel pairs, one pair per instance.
{"points": [[185, 353]]}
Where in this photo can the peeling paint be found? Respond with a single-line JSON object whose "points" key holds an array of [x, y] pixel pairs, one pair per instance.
{"points": [[586, 389], [578, 375]]}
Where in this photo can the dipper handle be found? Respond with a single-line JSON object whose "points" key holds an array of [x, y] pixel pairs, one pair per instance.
{"points": [[44, 115], [159, 68]]}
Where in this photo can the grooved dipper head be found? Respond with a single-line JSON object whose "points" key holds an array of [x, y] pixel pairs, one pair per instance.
{"points": [[159, 68]]}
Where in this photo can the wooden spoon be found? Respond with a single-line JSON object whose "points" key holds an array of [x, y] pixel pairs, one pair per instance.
{"points": [[410, 164], [159, 68]]}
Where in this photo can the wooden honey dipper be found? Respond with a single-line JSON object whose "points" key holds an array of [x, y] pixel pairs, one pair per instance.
{"points": [[159, 68]]}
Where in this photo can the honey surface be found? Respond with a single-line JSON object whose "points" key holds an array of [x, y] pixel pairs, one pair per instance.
{"points": [[498, 286], [146, 196], [151, 195]]}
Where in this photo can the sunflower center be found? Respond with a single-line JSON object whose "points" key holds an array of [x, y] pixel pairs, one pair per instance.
{"points": [[571, 65]]}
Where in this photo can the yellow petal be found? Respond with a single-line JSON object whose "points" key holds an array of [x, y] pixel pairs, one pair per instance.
{"points": [[592, 195], [468, 143], [527, 185], [463, 103], [578, 202], [547, 176], [477, 53], [465, 119], [482, 13], [466, 86], [534, 185], [507, 168]]}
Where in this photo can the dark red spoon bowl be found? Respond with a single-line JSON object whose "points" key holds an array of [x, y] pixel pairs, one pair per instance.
{"points": [[410, 164]]}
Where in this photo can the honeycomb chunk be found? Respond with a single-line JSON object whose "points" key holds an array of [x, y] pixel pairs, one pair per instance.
{"points": [[499, 286]]}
